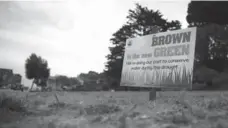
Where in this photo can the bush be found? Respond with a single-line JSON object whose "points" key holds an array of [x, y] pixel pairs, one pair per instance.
{"points": [[204, 74], [11, 103], [221, 80], [217, 103], [60, 105], [101, 109]]}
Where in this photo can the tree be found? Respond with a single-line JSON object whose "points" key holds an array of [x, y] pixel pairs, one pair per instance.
{"points": [[93, 80], [207, 12], [37, 69], [63, 80], [89, 78], [140, 21], [66, 81], [212, 41]]}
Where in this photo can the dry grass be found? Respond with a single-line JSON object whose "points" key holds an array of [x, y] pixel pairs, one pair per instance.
{"points": [[12, 103], [11, 108], [58, 105], [101, 109], [128, 110]]}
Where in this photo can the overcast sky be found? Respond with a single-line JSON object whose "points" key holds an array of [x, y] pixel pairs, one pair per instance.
{"points": [[72, 35]]}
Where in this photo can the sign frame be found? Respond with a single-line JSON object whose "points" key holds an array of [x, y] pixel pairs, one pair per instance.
{"points": [[131, 41]]}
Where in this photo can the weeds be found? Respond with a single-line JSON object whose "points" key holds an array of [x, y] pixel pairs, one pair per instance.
{"points": [[39, 102], [11, 108], [101, 109], [181, 111], [11, 103], [58, 105], [217, 103]]}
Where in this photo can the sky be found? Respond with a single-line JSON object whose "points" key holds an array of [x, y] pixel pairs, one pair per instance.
{"points": [[72, 35]]}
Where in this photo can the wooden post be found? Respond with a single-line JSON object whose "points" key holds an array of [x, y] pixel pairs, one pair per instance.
{"points": [[57, 100], [26, 97], [152, 94]]}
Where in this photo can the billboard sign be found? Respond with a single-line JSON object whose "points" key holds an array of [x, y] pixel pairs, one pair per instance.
{"points": [[160, 60]]}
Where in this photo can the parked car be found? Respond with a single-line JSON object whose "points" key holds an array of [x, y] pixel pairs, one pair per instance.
{"points": [[17, 87], [3, 87]]}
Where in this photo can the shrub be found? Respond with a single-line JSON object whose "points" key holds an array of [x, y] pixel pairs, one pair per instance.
{"points": [[101, 109], [205, 74], [59, 105], [221, 79], [38, 102], [11, 103], [218, 103]]}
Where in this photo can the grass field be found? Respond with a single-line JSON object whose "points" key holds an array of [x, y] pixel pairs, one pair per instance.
{"points": [[115, 110]]}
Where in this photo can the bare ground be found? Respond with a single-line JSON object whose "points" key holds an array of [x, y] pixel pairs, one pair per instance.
{"points": [[119, 110]]}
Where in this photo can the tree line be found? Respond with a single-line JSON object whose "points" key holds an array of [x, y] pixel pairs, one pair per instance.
{"points": [[38, 71]]}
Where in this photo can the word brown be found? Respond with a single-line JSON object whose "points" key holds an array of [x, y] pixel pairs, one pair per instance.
{"points": [[171, 39]]}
